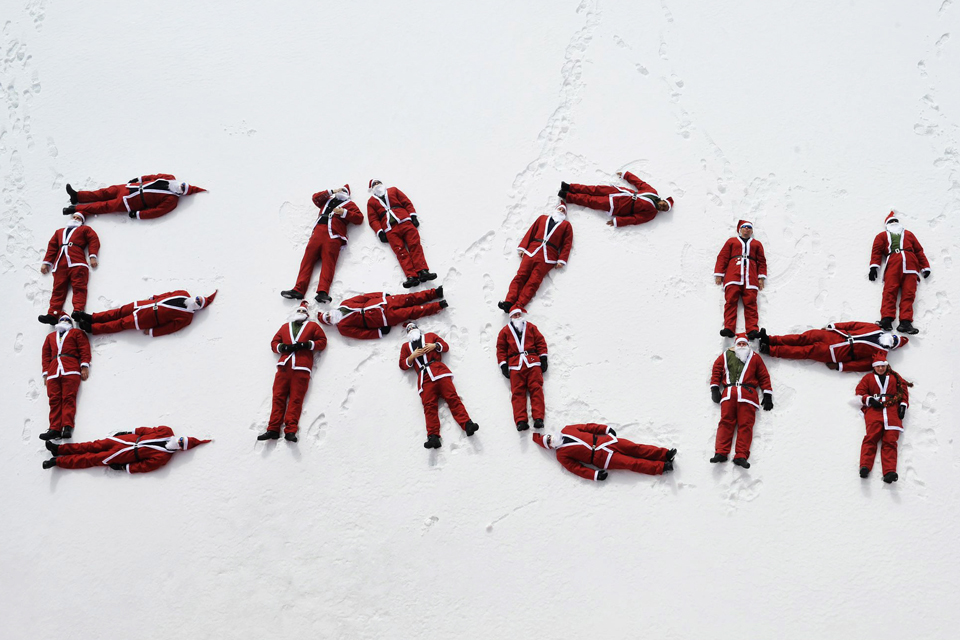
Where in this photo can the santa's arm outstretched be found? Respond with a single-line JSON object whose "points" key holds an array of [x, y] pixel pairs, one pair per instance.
{"points": [[576, 467], [638, 184], [166, 206]]}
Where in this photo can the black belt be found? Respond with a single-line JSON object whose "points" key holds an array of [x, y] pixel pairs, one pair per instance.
{"points": [[738, 384], [68, 355], [136, 449], [517, 353], [546, 242], [324, 219], [143, 199]]}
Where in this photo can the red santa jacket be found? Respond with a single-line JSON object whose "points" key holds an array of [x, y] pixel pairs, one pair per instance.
{"points": [[634, 207], [583, 444], [520, 349], [870, 386], [142, 451], [430, 366], [396, 203], [855, 346], [64, 353], [149, 198], [364, 316], [162, 314], [753, 379], [302, 360], [553, 246], [909, 258], [67, 245], [336, 224], [741, 262]]}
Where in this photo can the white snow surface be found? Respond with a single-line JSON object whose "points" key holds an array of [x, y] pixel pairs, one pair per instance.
{"points": [[814, 119]]}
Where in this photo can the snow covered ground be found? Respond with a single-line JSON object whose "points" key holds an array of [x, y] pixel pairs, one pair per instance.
{"points": [[814, 119]]}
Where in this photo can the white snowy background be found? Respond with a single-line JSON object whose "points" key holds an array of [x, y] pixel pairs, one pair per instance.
{"points": [[813, 119]]}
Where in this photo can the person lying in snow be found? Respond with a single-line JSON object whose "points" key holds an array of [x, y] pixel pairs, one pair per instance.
{"points": [[742, 270], [146, 449], [546, 246], [885, 397], [65, 358], [624, 206], [906, 262], [843, 346], [522, 356], [369, 316], [597, 445], [65, 258], [156, 316], [143, 198], [392, 217]]}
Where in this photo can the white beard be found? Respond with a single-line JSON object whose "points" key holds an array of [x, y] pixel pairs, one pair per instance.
{"points": [[178, 188], [334, 316], [73, 224], [341, 195], [173, 444], [379, 190], [558, 216], [886, 340], [63, 327], [297, 316], [192, 304], [519, 324], [895, 228], [742, 353], [414, 334], [555, 440]]}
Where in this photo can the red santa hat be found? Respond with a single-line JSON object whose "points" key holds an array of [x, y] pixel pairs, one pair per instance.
{"points": [[741, 337], [670, 200], [538, 438], [517, 310], [83, 218], [190, 189], [880, 362], [371, 183], [741, 223], [893, 215], [205, 301], [347, 187], [410, 325], [186, 442]]}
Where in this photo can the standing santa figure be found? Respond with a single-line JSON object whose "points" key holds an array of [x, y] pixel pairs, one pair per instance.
{"points": [[296, 342], [65, 358], [329, 235], [739, 376], [522, 356], [624, 206], [142, 198], [906, 262], [885, 397], [545, 246], [742, 270], [66, 259], [392, 217]]}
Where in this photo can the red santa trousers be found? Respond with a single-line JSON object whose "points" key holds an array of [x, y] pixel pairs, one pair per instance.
{"points": [[82, 455], [410, 306], [906, 285], [431, 394], [733, 294], [736, 417], [591, 196], [114, 320], [799, 346], [62, 393], [639, 458], [404, 239], [888, 449], [289, 388], [527, 380], [64, 277], [108, 200], [527, 281], [324, 249]]}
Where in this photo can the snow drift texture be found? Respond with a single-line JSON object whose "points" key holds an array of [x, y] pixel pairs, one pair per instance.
{"points": [[813, 119]]}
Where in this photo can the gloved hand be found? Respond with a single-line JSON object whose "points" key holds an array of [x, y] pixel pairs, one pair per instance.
{"points": [[767, 402], [384, 330], [415, 220], [132, 214], [611, 432], [137, 179], [875, 403], [284, 348], [543, 364], [123, 433], [874, 272], [833, 365], [901, 411], [715, 394], [118, 467], [382, 235], [505, 370], [926, 273], [602, 475], [304, 345]]}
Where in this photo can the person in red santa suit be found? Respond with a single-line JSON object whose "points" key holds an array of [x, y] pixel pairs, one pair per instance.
{"points": [[146, 449], [392, 217], [296, 342], [142, 198], [545, 246], [624, 206], [522, 356], [598, 446], [67, 260], [885, 397], [842, 346], [742, 270], [422, 353], [369, 316], [65, 358], [906, 262], [738, 378], [156, 316], [329, 235]]}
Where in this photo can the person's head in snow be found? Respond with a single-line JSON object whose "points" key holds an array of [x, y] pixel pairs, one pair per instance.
{"points": [[64, 324], [663, 204], [377, 188], [742, 347], [892, 223], [341, 193], [745, 230], [559, 212], [413, 331], [332, 317], [76, 220], [518, 318], [891, 341], [551, 440], [880, 367], [300, 314], [195, 303]]}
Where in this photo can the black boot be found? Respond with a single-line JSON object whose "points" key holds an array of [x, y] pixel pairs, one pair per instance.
{"points": [[323, 297], [538, 423], [290, 294], [412, 281], [753, 335], [85, 326], [720, 457], [48, 318], [290, 437], [425, 275], [671, 455], [764, 347], [69, 211], [886, 324], [503, 304], [741, 462], [72, 193], [438, 292], [433, 442], [762, 334], [890, 477], [81, 316], [269, 435], [726, 333], [562, 194], [523, 425], [907, 327], [864, 472], [47, 464], [49, 434], [471, 427], [443, 304], [53, 447], [66, 433], [668, 466], [564, 186]]}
